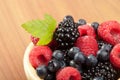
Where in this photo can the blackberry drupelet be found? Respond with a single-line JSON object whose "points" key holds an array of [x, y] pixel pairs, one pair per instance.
{"points": [[104, 70], [66, 33], [100, 43]]}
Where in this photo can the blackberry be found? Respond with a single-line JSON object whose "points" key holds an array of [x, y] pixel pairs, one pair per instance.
{"points": [[102, 43], [66, 33], [105, 70]]}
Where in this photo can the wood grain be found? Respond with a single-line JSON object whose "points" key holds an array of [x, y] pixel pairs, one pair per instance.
{"points": [[13, 39]]}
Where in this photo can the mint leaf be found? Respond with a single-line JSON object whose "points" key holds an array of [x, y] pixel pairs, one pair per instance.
{"points": [[42, 29]]}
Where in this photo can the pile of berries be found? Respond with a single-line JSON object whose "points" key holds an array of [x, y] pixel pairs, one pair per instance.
{"points": [[79, 51]]}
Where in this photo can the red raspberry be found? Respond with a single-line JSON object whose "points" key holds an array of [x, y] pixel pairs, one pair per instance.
{"points": [[40, 55], [87, 44], [34, 40], [68, 73], [110, 32], [115, 56], [86, 30]]}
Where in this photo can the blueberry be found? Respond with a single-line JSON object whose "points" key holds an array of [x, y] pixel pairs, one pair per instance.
{"points": [[81, 22], [102, 55], [53, 65], [78, 66], [72, 63], [107, 47], [98, 78], [68, 17], [91, 60], [79, 58], [49, 77], [62, 64], [73, 51], [95, 25], [41, 71], [57, 54]]}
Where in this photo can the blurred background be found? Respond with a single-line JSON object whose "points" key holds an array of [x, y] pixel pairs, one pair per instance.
{"points": [[14, 39]]}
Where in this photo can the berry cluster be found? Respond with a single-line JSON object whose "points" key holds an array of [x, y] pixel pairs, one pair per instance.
{"points": [[83, 52]]}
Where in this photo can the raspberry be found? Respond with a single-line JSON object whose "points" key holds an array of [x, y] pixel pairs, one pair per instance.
{"points": [[110, 32], [34, 40], [87, 44], [68, 73], [40, 55], [115, 56], [86, 30], [104, 70], [66, 33]]}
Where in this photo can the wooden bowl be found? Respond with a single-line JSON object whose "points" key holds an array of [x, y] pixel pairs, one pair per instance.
{"points": [[29, 70]]}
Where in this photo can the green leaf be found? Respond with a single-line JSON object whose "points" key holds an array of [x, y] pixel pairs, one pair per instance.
{"points": [[42, 29]]}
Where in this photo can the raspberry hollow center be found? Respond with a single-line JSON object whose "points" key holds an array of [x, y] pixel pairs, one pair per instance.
{"points": [[72, 78], [42, 59]]}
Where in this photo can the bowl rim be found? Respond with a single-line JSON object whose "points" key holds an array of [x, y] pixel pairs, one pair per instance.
{"points": [[29, 70]]}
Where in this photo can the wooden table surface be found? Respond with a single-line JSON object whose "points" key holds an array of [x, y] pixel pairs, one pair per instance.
{"points": [[14, 39]]}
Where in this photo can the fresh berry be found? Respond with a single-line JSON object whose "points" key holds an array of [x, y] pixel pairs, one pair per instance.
{"points": [[77, 66], [86, 30], [102, 55], [57, 54], [68, 17], [98, 78], [67, 58], [109, 31], [91, 60], [53, 65], [87, 44], [72, 63], [66, 33], [53, 45], [79, 58], [40, 55], [34, 40], [95, 26], [107, 47], [115, 56], [102, 69], [81, 22], [49, 77], [73, 51], [102, 44], [62, 64], [41, 71], [68, 73]]}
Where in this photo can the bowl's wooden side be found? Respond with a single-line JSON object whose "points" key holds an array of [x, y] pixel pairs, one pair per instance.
{"points": [[29, 70]]}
